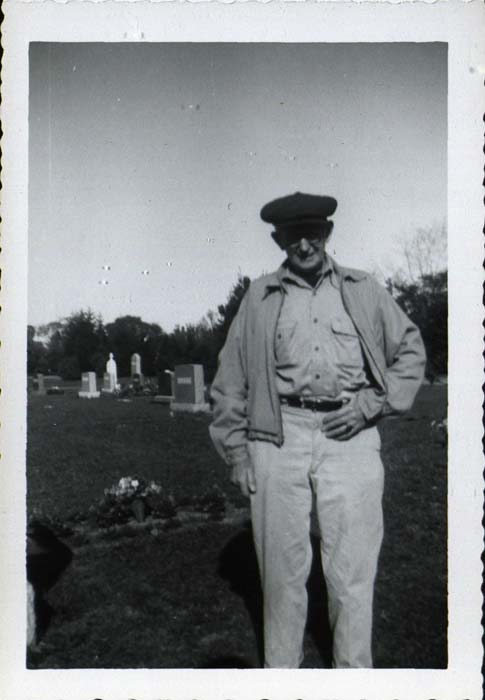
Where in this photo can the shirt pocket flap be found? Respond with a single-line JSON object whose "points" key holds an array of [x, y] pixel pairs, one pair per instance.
{"points": [[285, 330], [343, 326]]}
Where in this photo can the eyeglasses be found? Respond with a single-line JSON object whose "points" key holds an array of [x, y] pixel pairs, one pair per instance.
{"points": [[294, 240]]}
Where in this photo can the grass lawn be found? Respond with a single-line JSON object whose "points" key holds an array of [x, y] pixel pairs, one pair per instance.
{"points": [[188, 597]]}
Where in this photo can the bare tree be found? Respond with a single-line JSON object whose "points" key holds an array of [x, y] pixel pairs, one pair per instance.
{"points": [[424, 253]]}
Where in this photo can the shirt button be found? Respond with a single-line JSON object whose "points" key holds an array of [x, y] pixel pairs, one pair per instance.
{"points": [[316, 348], [279, 335], [315, 320], [317, 376]]}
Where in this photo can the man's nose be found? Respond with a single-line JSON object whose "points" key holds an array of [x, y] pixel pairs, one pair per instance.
{"points": [[304, 245]]}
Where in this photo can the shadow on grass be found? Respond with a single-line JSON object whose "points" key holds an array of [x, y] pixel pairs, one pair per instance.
{"points": [[227, 662], [317, 621], [238, 565], [47, 558]]}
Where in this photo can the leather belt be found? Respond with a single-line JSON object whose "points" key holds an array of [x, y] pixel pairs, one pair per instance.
{"points": [[312, 403]]}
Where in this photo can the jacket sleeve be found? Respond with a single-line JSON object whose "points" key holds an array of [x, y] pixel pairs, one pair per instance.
{"points": [[405, 359], [229, 391]]}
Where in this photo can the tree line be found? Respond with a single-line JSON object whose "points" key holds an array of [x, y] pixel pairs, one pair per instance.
{"points": [[82, 342]]}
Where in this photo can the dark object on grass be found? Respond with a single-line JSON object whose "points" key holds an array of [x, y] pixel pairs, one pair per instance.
{"points": [[227, 662], [55, 391], [47, 558], [317, 619], [238, 565]]}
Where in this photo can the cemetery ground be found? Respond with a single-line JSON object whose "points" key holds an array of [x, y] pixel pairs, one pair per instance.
{"points": [[183, 592]]}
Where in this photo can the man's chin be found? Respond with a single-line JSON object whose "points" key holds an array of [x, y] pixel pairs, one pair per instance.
{"points": [[306, 268]]}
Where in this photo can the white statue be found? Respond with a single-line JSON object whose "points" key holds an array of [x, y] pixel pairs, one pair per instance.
{"points": [[111, 369]]}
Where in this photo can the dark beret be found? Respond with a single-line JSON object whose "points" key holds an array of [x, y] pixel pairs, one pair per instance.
{"points": [[298, 207]]}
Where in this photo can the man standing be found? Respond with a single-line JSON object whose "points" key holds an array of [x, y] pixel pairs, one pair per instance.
{"points": [[315, 357]]}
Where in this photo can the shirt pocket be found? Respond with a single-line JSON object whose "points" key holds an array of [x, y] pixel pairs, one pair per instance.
{"points": [[286, 344], [348, 351]]}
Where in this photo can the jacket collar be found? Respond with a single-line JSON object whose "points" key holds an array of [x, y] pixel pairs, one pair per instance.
{"points": [[348, 273]]}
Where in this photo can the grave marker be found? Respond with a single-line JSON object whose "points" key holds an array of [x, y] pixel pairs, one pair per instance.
{"points": [[136, 365], [109, 383], [165, 387], [38, 385], [110, 377], [88, 386], [111, 368], [188, 389]]}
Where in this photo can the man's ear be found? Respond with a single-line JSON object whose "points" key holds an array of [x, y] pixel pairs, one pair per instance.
{"points": [[329, 229], [278, 239]]}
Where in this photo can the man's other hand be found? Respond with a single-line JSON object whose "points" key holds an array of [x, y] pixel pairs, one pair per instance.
{"points": [[344, 423], [244, 476]]}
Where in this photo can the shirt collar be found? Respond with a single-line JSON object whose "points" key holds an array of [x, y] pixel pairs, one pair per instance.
{"points": [[286, 275], [274, 280]]}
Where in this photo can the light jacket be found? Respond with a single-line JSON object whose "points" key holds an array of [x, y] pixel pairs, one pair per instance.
{"points": [[246, 403]]}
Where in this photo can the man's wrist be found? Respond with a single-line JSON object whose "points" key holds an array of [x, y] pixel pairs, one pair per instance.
{"points": [[371, 404], [237, 455]]}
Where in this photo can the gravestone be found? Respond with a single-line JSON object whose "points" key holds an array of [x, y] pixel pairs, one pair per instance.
{"points": [[162, 384], [188, 389], [111, 368], [109, 383], [110, 377], [38, 385], [136, 365], [88, 386], [165, 387]]}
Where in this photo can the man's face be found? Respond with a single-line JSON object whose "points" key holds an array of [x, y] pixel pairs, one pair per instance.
{"points": [[304, 247]]}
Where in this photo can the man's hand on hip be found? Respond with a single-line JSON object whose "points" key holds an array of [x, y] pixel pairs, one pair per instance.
{"points": [[244, 476], [344, 423]]}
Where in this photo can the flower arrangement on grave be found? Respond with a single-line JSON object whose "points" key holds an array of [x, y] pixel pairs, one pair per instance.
{"points": [[133, 496], [130, 488], [131, 389]]}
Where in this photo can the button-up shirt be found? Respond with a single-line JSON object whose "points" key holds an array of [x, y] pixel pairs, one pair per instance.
{"points": [[244, 389], [318, 351]]}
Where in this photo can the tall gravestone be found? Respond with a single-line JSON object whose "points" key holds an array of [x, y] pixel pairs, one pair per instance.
{"points": [[111, 368], [135, 369], [188, 389], [88, 386], [110, 378], [38, 386], [135, 365]]}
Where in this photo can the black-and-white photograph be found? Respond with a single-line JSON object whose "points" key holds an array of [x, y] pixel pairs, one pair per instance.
{"points": [[167, 184], [240, 316]]}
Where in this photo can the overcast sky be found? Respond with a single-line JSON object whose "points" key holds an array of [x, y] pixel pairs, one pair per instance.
{"points": [[155, 159]]}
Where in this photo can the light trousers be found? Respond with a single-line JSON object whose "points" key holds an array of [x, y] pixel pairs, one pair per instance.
{"points": [[347, 479]]}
